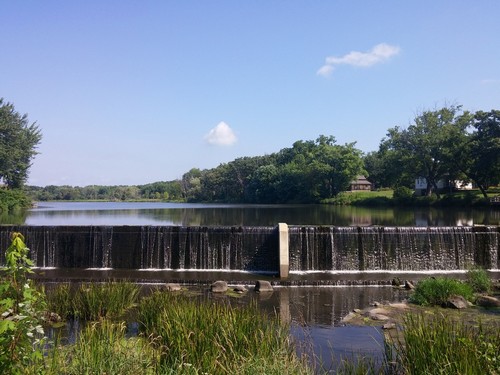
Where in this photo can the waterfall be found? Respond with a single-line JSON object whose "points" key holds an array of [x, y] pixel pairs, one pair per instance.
{"points": [[149, 247], [311, 248], [323, 248]]}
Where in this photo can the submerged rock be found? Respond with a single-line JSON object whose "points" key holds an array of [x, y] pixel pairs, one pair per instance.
{"points": [[240, 289], [263, 286], [173, 287], [487, 301], [409, 285], [349, 317], [457, 302], [219, 287]]}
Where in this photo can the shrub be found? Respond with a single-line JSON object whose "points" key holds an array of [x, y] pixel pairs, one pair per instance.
{"points": [[479, 280], [403, 192], [13, 199], [436, 291], [21, 312]]}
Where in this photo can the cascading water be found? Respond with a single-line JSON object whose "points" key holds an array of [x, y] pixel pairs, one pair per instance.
{"points": [[314, 248], [311, 248], [150, 247]]}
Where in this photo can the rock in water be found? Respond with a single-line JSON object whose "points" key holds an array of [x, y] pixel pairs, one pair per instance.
{"points": [[263, 286], [457, 302], [173, 287], [487, 301], [219, 287]]}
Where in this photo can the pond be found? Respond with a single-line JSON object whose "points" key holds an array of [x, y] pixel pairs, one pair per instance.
{"points": [[185, 214]]}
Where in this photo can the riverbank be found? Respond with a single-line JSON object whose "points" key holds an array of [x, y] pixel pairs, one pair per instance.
{"points": [[404, 197]]}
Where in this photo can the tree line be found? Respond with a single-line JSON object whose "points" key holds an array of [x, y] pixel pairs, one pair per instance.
{"points": [[447, 143], [444, 144], [306, 172]]}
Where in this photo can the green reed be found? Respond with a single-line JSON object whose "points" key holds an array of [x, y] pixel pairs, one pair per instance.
{"points": [[60, 300], [215, 337], [441, 345], [92, 301], [103, 348]]}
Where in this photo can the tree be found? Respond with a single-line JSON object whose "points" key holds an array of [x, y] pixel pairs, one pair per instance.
{"points": [[18, 142], [477, 153], [316, 170], [420, 150], [486, 149]]}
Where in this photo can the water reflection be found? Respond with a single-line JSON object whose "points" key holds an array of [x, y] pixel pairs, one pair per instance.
{"points": [[147, 213]]}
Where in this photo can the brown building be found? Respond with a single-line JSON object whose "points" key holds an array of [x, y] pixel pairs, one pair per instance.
{"points": [[361, 183]]}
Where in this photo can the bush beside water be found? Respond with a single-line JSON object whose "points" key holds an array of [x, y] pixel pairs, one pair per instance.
{"points": [[436, 291]]}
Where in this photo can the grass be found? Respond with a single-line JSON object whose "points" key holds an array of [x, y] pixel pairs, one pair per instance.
{"points": [[184, 335], [366, 198], [178, 335], [439, 345], [93, 301], [390, 198], [215, 337], [103, 348], [479, 280], [436, 291]]}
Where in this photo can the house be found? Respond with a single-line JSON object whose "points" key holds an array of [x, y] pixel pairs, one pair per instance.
{"points": [[443, 184], [361, 183]]}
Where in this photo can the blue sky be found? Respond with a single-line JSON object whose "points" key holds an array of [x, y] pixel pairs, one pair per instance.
{"points": [[132, 92]]}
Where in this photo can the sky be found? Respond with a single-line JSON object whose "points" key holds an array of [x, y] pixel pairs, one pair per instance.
{"points": [[133, 92]]}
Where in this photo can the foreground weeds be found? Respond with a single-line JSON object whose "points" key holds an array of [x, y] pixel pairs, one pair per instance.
{"points": [[438, 344], [216, 338]]}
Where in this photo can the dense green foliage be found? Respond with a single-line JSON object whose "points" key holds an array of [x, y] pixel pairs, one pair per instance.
{"points": [[18, 141], [309, 171], [11, 200], [445, 144], [21, 312], [436, 291], [161, 190], [479, 280]]}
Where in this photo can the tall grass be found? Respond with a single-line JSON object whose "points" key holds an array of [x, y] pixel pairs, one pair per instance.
{"points": [[103, 348], [479, 280], [440, 345], [216, 338], [93, 301]]}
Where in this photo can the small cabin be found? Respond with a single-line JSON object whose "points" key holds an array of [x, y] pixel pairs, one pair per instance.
{"points": [[361, 183]]}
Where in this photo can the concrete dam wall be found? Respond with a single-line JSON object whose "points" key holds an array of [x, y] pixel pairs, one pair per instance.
{"points": [[276, 250]]}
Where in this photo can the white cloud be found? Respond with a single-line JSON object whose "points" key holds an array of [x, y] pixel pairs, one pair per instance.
{"points": [[380, 53], [490, 81], [222, 134]]}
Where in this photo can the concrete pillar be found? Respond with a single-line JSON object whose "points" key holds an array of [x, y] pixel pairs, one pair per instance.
{"points": [[283, 250]]}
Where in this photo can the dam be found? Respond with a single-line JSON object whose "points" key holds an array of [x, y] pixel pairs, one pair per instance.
{"points": [[273, 250]]}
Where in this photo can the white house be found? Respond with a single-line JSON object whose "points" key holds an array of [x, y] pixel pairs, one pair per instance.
{"points": [[421, 185]]}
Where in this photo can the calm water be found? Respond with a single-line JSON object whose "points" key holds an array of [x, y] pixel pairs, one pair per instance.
{"points": [[183, 214]]}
